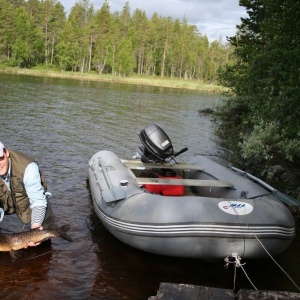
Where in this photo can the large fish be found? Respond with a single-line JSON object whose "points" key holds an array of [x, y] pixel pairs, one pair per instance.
{"points": [[17, 241]]}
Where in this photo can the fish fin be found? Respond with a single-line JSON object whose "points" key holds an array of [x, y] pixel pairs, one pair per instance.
{"points": [[62, 231]]}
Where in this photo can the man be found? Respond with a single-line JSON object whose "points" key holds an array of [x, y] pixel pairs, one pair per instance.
{"points": [[23, 191]]}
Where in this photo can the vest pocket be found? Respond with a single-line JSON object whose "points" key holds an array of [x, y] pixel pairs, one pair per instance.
{"points": [[25, 216], [23, 209], [24, 213], [2, 189]]}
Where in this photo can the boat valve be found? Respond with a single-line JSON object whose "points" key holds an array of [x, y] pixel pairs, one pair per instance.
{"points": [[244, 194], [123, 182]]}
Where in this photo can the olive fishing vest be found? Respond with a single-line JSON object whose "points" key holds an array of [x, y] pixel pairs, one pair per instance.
{"points": [[17, 200]]}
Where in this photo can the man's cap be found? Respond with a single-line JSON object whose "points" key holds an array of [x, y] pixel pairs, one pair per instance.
{"points": [[1, 149]]}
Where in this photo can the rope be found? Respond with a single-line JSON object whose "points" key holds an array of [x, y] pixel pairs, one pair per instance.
{"points": [[47, 252], [14, 261], [277, 263], [261, 195], [90, 224], [236, 260]]}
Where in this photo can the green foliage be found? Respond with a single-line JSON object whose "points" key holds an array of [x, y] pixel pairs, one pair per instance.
{"points": [[34, 32], [264, 141], [67, 55], [25, 51], [264, 82], [125, 59]]}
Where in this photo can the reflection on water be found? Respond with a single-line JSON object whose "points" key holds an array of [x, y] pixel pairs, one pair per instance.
{"points": [[62, 123], [18, 272]]}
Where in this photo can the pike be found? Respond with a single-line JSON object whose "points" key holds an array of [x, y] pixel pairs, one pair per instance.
{"points": [[16, 241]]}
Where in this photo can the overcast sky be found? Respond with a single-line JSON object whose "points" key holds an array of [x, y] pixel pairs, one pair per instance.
{"points": [[214, 18]]}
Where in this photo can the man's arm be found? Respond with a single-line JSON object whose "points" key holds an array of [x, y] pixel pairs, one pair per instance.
{"points": [[36, 194]]}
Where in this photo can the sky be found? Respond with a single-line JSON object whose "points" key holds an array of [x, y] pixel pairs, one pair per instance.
{"points": [[213, 18]]}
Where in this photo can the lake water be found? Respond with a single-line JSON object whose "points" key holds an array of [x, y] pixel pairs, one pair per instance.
{"points": [[62, 123]]}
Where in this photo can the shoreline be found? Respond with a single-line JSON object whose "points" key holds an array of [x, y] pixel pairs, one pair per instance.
{"points": [[147, 81]]}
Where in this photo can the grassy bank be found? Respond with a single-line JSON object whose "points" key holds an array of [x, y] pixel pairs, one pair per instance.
{"points": [[149, 80]]}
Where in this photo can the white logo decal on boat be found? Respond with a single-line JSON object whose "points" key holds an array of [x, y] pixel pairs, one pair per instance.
{"points": [[236, 207]]}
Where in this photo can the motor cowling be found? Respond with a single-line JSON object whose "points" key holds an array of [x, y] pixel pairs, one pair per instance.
{"points": [[157, 146]]}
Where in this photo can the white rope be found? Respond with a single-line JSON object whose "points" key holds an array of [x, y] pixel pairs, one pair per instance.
{"points": [[235, 259], [270, 257], [277, 263]]}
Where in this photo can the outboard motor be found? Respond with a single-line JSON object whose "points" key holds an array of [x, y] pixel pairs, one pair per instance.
{"points": [[157, 146]]}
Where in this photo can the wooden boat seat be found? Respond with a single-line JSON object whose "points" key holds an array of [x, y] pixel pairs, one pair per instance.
{"points": [[186, 182], [134, 164]]}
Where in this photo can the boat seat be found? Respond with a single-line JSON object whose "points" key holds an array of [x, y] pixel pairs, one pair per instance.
{"points": [[187, 182], [135, 164]]}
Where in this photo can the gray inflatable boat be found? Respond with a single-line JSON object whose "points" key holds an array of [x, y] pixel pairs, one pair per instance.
{"points": [[199, 209]]}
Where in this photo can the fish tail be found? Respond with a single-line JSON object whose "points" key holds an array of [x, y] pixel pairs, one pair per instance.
{"points": [[62, 232]]}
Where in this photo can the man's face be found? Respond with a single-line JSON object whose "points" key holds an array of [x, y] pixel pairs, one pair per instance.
{"points": [[4, 163]]}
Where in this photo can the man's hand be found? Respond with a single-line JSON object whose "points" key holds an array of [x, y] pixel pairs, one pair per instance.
{"points": [[33, 226]]}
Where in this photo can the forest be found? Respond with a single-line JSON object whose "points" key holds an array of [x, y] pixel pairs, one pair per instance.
{"points": [[259, 66], [38, 33], [261, 115]]}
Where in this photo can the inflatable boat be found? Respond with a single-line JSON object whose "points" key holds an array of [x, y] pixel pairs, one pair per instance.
{"points": [[200, 209]]}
